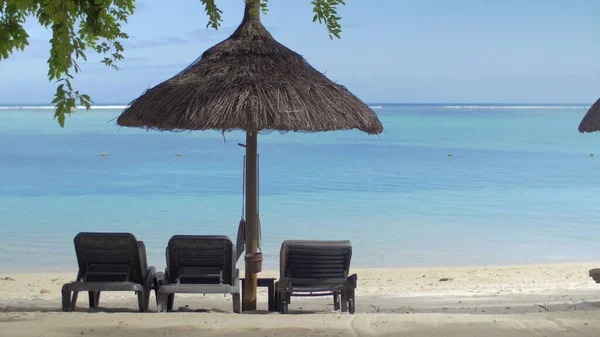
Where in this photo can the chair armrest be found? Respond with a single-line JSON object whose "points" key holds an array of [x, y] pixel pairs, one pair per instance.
{"points": [[352, 280], [79, 276], [160, 277], [236, 277], [166, 277], [283, 284], [151, 280], [142, 255]]}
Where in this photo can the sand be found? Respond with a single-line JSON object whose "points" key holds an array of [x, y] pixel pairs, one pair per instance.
{"points": [[535, 300]]}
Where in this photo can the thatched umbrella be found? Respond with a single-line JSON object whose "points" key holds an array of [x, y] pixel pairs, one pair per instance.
{"points": [[591, 120], [250, 82]]}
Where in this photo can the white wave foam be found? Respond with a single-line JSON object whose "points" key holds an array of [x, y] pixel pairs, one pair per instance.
{"points": [[108, 106], [516, 107], [115, 107], [50, 107]]}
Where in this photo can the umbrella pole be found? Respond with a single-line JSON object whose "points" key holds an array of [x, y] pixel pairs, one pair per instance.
{"points": [[250, 284]]}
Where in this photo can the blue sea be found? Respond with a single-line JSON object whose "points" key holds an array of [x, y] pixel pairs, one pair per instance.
{"points": [[520, 187]]}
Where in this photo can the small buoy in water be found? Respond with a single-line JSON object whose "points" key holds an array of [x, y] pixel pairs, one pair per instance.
{"points": [[103, 154], [591, 154], [450, 154], [178, 154]]}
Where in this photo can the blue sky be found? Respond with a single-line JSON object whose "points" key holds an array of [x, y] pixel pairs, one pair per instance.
{"points": [[425, 51]]}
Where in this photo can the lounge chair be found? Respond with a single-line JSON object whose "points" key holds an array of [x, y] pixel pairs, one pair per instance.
{"points": [[595, 274], [316, 268], [110, 262], [199, 264]]}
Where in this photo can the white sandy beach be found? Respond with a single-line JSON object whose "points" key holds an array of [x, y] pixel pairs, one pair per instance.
{"points": [[536, 300]]}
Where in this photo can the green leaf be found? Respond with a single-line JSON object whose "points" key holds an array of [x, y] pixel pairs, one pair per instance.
{"points": [[326, 13], [77, 26], [60, 116]]}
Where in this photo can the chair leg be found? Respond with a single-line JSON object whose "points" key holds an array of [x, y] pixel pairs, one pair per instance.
{"points": [[156, 295], [284, 308], [147, 299], [351, 301], [280, 300], [66, 300], [161, 302], [271, 297], [170, 302], [336, 301], [142, 305], [74, 300], [283, 302], [344, 301], [237, 304], [276, 303], [94, 298]]}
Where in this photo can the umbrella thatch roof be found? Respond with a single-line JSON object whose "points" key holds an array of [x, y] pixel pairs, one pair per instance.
{"points": [[591, 120], [250, 82]]}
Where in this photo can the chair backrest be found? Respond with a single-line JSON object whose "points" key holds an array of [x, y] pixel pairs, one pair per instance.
{"points": [[315, 260], [201, 259], [110, 257]]}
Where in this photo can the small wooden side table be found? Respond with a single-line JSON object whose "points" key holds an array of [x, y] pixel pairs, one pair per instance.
{"points": [[269, 283]]}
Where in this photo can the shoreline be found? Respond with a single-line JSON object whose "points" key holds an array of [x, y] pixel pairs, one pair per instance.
{"points": [[222, 325], [591, 263], [539, 300], [407, 282]]}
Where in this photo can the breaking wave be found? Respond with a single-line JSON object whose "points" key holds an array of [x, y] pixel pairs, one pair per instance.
{"points": [[517, 107], [50, 107]]}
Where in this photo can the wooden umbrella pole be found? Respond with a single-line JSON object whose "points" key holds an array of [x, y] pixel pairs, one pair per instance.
{"points": [[252, 10], [250, 284]]}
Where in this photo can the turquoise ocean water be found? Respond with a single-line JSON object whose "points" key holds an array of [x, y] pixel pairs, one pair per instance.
{"points": [[520, 187]]}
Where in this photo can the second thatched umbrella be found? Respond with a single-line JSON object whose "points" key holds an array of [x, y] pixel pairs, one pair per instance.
{"points": [[250, 82], [591, 120]]}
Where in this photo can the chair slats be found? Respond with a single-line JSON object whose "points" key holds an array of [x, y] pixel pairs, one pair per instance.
{"points": [[316, 260], [107, 257], [197, 259], [316, 268]]}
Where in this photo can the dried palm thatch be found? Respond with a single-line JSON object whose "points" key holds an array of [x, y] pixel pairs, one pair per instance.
{"points": [[591, 120], [250, 82]]}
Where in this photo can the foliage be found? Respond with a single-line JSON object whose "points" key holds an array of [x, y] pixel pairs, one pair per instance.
{"points": [[81, 25]]}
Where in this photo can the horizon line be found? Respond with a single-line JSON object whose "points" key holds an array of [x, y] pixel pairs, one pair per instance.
{"points": [[46, 104]]}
